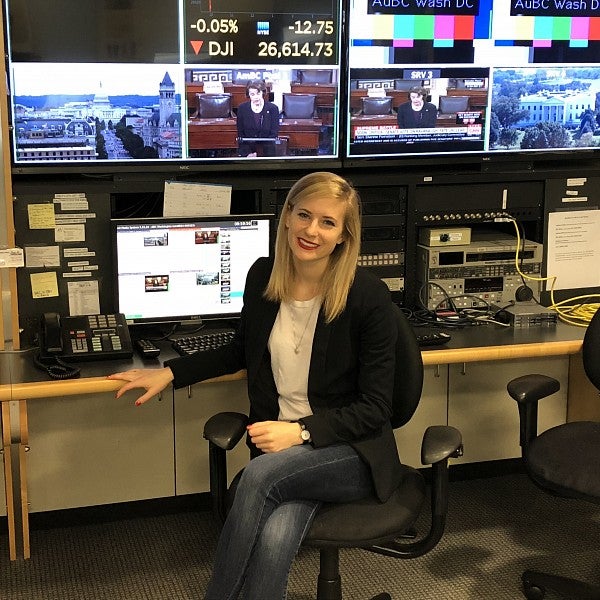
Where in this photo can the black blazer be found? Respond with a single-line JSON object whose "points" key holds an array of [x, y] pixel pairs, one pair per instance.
{"points": [[412, 119], [350, 380], [268, 127]]}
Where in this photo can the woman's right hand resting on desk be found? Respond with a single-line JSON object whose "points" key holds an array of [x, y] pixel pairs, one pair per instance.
{"points": [[153, 381]]}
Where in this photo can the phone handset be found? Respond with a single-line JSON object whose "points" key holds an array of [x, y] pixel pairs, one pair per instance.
{"points": [[51, 346], [51, 334]]}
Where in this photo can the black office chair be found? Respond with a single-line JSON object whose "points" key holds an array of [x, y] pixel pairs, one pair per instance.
{"points": [[367, 523], [376, 105], [299, 106], [450, 105], [315, 75], [213, 106], [564, 460], [405, 85]]}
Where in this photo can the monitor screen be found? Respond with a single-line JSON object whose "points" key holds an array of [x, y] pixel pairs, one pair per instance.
{"points": [[124, 85], [185, 269], [473, 78]]}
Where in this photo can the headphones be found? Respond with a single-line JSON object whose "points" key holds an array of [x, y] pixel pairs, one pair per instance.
{"points": [[257, 84], [523, 293]]}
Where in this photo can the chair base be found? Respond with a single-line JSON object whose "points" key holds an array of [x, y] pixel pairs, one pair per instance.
{"points": [[535, 584], [329, 583]]}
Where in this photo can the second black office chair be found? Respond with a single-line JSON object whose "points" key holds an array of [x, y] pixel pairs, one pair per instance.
{"points": [[564, 460], [213, 106], [376, 105], [368, 523]]}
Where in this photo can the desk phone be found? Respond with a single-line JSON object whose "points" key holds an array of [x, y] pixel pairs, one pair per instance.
{"points": [[89, 337]]}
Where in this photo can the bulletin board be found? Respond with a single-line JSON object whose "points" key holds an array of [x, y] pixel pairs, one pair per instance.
{"points": [[68, 258]]}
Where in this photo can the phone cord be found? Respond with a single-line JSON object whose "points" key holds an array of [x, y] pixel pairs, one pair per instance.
{"points": [[58, 369]]}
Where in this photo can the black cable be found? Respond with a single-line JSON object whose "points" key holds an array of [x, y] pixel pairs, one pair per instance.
{"points": [[162, 336], [425, 303], [55, 367], [187, 332], [521, 229]]}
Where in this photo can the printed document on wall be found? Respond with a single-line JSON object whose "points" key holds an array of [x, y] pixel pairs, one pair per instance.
{"points": [[573, 250], [185, 199]]}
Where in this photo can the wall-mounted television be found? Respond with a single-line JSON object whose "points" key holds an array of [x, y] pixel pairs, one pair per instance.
{"points": [[473, 79], [135, 84], [171, 269]]}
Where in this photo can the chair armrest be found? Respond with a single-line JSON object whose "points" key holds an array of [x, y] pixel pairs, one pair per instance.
{"points": [[225, 429], [531, 388], [440, 442], [527, 391]]}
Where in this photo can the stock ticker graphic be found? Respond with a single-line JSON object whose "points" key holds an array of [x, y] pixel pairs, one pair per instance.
{"points": [[230, 31]]}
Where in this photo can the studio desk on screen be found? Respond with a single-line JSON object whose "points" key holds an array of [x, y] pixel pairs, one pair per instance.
{"points": [[22, 387]]}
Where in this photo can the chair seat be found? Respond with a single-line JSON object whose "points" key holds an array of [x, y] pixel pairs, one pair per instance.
{"points": [[565, 460], [372, 521]]}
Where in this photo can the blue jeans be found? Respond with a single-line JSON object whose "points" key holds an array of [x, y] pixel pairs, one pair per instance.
{"points": [[275, 502]]}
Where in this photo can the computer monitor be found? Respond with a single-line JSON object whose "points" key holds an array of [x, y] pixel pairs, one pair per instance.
{"points": [[480, 82], [157, 85], [182, 269]]}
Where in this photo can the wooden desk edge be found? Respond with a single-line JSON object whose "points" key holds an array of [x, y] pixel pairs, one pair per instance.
{"points": [[72, 387], [508, 352], [93, 385]]}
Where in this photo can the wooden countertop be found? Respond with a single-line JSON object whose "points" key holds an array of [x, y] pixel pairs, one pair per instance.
{"points": [[466, 346], [465, 355]]}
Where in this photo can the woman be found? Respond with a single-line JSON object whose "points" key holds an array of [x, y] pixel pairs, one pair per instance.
{"points": [[316, 339], [417, 112], [257, 118]]}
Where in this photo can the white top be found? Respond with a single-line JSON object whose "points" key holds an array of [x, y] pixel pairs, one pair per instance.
{"points": [[290, 345]]}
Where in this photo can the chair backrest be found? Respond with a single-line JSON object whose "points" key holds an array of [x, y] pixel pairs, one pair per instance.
{"points": [[453, 104], [591, 350], [299, 106], [214, 106], [408, 382], [406, 85], [376, 105], [315, 76]]}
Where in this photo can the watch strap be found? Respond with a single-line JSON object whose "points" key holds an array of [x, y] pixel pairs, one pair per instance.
{"points": [[304, 433]]}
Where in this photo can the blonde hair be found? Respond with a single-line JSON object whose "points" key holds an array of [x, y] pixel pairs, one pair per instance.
{"points": [[337, 280]]}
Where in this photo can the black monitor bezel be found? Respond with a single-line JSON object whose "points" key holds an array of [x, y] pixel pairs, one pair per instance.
{"points": [[196, 319]]}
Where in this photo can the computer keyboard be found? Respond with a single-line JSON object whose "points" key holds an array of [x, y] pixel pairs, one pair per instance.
{"points": [[208, 340], [214, 339]]}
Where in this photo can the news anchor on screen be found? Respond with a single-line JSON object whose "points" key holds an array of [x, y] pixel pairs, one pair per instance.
{"points": [[257, 122], [417, 113]]}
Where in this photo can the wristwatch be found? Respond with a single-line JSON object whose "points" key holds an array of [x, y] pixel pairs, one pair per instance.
{"points": [[304, 433]]}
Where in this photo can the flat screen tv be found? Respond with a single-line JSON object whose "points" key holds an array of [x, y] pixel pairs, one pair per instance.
{"points": [[473, 79], [131, 84], [178, 270]]}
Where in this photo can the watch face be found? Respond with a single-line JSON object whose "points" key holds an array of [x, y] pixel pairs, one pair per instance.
{"points": [[305, 435]]}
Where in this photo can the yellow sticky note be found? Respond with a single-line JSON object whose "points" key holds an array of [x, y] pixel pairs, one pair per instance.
{"points": [[41, 216], [44, 285]]}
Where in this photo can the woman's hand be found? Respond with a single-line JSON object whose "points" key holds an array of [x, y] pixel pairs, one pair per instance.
{"points": [[152, 380], [274, 436]]}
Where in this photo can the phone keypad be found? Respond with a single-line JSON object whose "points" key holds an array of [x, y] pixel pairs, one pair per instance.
{"points": [[78, 341], [103, 335]]}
